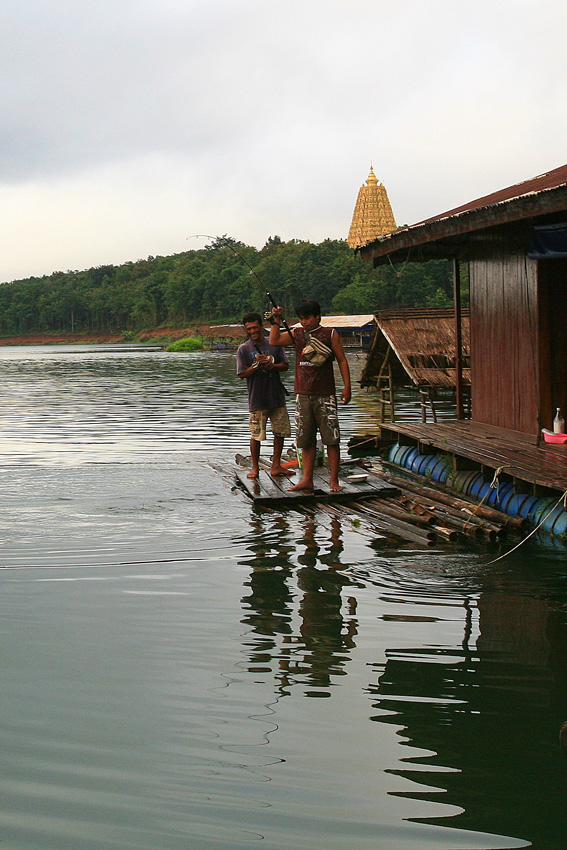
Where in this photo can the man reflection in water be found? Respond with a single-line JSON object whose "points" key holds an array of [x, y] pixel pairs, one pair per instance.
{"points": [[327, 635], [261, 364], [317, 649]]}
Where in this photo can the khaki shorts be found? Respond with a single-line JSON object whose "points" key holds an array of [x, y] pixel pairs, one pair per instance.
{"points": [[316, 412], [279, 421]]}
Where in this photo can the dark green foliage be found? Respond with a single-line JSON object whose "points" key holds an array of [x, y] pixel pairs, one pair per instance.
{"points": [[215, 284]]}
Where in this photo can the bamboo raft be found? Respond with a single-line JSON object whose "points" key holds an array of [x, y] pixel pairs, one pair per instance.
{"points": [[389, 505], [271, 490]]}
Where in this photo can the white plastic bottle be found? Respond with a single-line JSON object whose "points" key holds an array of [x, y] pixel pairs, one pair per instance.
{"points": [[558, 423]]}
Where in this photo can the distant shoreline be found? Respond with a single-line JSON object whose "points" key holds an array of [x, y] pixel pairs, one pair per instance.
{"points": [[151, 335], [60, 339]]}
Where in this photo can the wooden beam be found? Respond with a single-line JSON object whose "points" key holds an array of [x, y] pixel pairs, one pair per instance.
{"points": [[458, 339]]}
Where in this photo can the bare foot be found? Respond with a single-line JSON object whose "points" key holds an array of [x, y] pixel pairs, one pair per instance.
{"points": [[281, 470], [302, 485], [253, 473], [335, 487]]}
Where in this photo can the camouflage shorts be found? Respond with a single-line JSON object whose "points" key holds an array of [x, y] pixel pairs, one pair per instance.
{"points": [[279, 420], [316, 413]]}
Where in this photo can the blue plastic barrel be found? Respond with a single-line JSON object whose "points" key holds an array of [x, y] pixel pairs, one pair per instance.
{"points": [[541, 509], [556, 517], [440, 469], [485, 493], [527, 507], [558, 521], [460, 481], [409, 457], [394, 453], [427, 466], [505, 492], [413, 459], [398, 453], [419, 464], [475, 486], [514, 505]]}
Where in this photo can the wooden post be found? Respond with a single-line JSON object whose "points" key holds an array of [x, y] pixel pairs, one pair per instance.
{"points": [[391, 381], [458, 339]]}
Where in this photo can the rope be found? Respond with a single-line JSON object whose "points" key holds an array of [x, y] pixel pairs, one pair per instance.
{"points": [[399, 273], [562, 498], [494, 484]]}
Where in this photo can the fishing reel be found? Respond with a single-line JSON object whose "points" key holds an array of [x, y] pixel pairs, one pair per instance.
{"points": [[261, 366], [269, 317]]}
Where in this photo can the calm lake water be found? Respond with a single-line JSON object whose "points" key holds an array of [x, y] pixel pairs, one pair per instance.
{"points": [[180, 672]]}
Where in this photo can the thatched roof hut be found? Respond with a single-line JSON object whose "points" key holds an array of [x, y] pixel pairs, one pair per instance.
{"points": [[419, 344]]}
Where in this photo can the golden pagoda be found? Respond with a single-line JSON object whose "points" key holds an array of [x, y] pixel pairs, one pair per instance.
{"points": [[372, 215]]}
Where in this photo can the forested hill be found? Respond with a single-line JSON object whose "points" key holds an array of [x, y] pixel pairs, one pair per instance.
{"points": [[215, 284]]}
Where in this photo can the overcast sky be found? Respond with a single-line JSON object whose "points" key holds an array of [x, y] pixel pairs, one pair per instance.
{"points": [[129, 125]]}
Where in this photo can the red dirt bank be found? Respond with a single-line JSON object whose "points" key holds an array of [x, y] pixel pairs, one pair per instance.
{"points": [[169, 334]]}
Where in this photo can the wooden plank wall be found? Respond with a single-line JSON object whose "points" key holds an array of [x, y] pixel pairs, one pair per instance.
{"points": [[504, 330]]}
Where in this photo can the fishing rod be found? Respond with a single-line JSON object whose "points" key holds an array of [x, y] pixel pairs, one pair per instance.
{"points": [[224, 243]]}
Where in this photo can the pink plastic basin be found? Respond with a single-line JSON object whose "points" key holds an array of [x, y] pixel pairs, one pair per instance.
{"points": [[554, 438]]}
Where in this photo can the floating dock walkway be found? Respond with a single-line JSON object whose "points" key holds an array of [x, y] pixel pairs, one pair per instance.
{"points": [[273, 490]]}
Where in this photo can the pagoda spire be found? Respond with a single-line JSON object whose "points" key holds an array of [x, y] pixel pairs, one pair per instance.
{"points": [[372, 215]]}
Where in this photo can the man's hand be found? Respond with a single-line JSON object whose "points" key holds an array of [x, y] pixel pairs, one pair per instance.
{"points": [[264, 361], [277, 335], [345, 396]]}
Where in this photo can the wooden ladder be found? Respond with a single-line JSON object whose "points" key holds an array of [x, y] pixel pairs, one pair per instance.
{"points": [[427, 396], [385, 388]]}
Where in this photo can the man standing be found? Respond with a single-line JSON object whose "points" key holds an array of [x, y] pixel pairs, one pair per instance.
{"points": [[316, 401], [261, 364]]}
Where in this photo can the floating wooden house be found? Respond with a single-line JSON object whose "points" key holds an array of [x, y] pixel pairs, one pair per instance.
{"points": [[515, 243], [224, 336]]}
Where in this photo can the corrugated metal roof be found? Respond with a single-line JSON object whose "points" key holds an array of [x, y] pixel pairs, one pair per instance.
{"points": [[236, 331], [445, 235], [345, 322], [549, 180]]}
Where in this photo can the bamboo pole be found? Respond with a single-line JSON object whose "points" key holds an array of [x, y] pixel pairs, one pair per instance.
{"points": [[382, 506], [410, 532], [384, 526], [450, 533], [457, 502], [466, 516]]}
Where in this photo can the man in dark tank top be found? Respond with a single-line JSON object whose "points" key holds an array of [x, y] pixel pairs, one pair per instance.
{"points": [[316, 400]]}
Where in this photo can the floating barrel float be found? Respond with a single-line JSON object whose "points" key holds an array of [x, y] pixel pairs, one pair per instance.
{"points": [[502, 497]]}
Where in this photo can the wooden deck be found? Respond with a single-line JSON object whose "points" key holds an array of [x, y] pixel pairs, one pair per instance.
{"points": [[474, 445], [273, 490]]}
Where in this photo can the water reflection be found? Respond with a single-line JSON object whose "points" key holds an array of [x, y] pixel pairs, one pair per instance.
{"points": [[152, 699], [301, 625], [476, 708], [327, 635], [487, 715]]}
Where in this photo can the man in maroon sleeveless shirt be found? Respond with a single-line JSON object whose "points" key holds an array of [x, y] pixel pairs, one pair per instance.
{"points": [[316, 400]]}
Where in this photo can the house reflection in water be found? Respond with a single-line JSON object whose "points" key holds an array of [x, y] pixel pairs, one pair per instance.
{"points": [[489, 716]]}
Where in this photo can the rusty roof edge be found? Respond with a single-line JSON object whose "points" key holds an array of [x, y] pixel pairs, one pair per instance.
{"points": [[463, 222]]}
